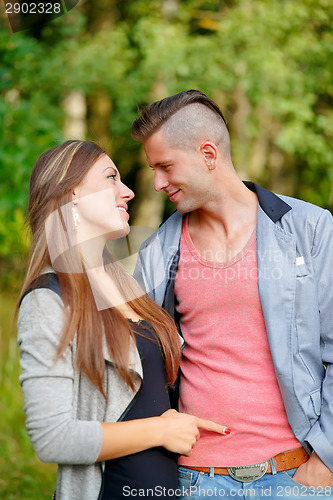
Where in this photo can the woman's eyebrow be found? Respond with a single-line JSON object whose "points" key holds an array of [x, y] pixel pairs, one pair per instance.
{"points": [[113, 169]]}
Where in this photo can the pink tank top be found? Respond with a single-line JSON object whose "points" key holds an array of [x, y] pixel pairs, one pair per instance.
{"points": [[227, 369]]}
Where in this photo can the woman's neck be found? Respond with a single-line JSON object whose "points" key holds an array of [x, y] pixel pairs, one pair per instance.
{"points": [[108, 294]]}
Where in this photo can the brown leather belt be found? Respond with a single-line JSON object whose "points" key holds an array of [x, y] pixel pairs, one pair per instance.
{"points": [[283, 461]]}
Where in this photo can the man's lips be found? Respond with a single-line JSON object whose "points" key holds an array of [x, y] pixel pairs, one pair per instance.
{"points": [[172, 194]]}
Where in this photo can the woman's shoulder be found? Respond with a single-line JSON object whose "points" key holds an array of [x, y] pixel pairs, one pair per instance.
{"points": [[41, 308], [48, 279]]}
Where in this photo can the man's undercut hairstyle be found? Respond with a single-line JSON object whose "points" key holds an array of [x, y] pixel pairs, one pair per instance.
{"points": [[186, 118]]}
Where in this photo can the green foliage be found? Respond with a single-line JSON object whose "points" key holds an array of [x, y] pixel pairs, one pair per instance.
{"points": [[267, 63], [30, 121], [23, 476]]}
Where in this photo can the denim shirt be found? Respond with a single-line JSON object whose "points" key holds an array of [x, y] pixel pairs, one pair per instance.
{"points": [[295, 265]]}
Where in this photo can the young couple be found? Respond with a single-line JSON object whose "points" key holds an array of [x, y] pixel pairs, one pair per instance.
{"points": [[243, 273]]}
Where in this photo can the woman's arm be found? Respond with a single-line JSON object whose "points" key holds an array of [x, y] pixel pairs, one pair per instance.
{"points": [[57, 436], [177, 432]]}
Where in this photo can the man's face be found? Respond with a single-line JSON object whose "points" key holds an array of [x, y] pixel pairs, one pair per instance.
{"points": [[181, 174]]}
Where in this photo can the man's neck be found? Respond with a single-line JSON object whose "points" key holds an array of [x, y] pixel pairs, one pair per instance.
{"points": [[225, 226]]}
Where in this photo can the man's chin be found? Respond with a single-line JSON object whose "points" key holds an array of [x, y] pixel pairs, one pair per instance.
{"points": [[184, 208]]}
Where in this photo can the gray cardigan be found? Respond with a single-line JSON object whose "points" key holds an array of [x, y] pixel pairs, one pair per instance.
{"points": [[63, 408]]}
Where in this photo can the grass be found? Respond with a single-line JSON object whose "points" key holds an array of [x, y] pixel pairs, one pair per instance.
{"points": [[23, 476]]}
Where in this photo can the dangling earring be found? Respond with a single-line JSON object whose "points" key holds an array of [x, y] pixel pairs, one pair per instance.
{"points": [[76, 217]]}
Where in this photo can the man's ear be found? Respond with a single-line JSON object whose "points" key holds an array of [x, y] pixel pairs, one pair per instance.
{"points": [[209, 153]]}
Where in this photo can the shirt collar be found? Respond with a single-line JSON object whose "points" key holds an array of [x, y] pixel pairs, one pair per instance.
{"points": [[271, 204]]}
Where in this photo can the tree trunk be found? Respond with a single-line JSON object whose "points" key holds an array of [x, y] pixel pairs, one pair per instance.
{"points": [[75, 121]]}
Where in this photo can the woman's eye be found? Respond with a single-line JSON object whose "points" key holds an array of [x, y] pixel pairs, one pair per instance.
{"points": [[112, 176]]}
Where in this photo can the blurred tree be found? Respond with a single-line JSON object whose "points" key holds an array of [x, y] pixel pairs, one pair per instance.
{"points": [[101, 16], [267, 64], [30, 119]]}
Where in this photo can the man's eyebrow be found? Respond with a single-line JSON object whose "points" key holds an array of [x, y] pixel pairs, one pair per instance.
{"points": [[161, 163]]}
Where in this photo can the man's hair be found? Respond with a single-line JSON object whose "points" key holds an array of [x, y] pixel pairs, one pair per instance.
{"points": [[157, 114]]}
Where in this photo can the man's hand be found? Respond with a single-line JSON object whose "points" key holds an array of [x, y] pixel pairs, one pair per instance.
{"points": [[314, 473]]}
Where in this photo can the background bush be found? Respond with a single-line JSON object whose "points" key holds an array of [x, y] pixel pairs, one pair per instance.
{"points": [[268, 64]]}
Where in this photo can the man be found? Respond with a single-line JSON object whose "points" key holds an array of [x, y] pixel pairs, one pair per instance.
{"points": [[247, 276]]}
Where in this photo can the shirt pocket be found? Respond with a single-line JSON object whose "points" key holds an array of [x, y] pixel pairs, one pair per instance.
{"points": [[315, 397]]}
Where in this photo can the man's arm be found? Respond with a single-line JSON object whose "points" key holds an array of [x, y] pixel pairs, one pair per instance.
{"points": [[314, 473], [318, 470]]}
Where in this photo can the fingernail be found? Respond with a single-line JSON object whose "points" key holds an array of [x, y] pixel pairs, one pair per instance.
{"points": [[227, 431]]}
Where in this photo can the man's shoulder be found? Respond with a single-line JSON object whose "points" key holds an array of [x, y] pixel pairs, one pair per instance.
{"points": [[306, 218], [302, 207]]}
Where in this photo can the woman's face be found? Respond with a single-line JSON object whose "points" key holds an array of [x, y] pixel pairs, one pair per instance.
{"points": [[101, 202]]}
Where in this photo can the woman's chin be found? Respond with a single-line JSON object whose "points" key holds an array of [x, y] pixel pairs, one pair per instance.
{"points": [[119, 233]]}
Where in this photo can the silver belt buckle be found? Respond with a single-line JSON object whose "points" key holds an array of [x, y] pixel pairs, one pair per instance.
{"points": [[248, 473]]}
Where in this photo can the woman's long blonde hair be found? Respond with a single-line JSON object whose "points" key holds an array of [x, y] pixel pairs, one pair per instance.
{"points": [[56, 173]]}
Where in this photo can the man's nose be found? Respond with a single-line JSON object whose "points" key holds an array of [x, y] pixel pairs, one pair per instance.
{"points": [[160, 180]]}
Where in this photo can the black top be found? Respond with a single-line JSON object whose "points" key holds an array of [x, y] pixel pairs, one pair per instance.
{"points": [[154, 469]]}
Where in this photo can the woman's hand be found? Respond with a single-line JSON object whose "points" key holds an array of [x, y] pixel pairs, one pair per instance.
{"points": [[177, 432], [180, 431]]}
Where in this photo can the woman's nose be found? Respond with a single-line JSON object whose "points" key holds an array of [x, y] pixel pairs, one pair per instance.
{"points": [[127, 193]]}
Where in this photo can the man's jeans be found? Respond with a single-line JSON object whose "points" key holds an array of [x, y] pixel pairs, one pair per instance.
{"points": [[194, 484]]}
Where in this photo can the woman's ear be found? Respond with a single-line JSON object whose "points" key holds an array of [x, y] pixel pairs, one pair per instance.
{"points": [[74, 194]]}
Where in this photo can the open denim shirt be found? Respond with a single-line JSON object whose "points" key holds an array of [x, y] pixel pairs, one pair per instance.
{"points": [[295, 286]]}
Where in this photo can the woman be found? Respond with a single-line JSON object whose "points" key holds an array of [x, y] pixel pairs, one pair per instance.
{"points": [[96, 353]]}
